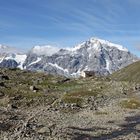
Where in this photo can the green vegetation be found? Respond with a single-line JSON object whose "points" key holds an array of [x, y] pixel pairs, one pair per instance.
{"points": [[50, 90], [73, 100], [101, 113], [82, 93], [130, 73], [130, 103]]}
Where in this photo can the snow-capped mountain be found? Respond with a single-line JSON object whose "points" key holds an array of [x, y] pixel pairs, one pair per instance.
{"points": [[97, 55], [11, 57], [100, 56]]}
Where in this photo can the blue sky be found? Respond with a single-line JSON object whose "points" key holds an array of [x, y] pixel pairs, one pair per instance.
{"points": [[65, 23]]}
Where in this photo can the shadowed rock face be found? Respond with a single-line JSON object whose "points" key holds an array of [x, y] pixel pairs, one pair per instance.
{"points": [[8, 64], [96, 55]]}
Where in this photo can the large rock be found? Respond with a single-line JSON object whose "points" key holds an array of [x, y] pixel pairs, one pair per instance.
{"points": [[44, 130]]}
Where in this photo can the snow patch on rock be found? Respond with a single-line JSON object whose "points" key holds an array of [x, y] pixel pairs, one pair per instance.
{"points": [[19, 58]]}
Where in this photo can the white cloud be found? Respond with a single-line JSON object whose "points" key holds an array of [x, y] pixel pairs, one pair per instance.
{"points": [[45, 50]]}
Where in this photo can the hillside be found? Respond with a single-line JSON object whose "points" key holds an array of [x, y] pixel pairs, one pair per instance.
{"points": [[129, 73], [37, 106]]}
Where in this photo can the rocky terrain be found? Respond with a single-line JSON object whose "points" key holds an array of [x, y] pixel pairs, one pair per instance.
{"points": [[38, 106], [100, 56]]}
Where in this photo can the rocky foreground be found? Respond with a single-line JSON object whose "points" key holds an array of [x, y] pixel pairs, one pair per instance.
{"points": [[35, 106]]}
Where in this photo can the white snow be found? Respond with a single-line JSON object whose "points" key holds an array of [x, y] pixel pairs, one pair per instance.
{"points": [[107, 43], [7, 52], [107, 65], [76, 74], [1, 59], [19, 58], [58, 67], [96, 43], [97, 46], [76, 47], [38, 59], [45, 50]]}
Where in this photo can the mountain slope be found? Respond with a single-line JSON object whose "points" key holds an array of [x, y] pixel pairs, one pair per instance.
{"points": [[97, 55], [100, 56], [129, 73], [11, 57]]}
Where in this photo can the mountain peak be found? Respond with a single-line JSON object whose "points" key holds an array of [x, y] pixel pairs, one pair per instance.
{"points": [[97, 43], [107, 43]]}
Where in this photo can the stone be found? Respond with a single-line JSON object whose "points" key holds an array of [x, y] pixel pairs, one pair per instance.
{"points": [[46, 91], [33, 88], [63, 81], [137, 88], [138, 127], [44, 130]]}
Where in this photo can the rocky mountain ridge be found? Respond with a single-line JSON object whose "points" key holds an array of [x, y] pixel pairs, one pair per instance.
{"points": [[97, 55]]}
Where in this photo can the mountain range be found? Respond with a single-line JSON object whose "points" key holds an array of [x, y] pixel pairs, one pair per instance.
{"points": [[100, 56]]}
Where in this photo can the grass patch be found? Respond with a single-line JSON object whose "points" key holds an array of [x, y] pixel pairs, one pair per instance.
{"points": [[31, 95], [130, 73], [101, 113], [50, 99], [71, 100], [82, 93], [131, 104]]}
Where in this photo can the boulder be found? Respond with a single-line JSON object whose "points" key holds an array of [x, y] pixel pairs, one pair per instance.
{"points": [[33, 88]]}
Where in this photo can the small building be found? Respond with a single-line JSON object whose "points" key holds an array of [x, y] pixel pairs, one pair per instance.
{"points": [[87, 74]]}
